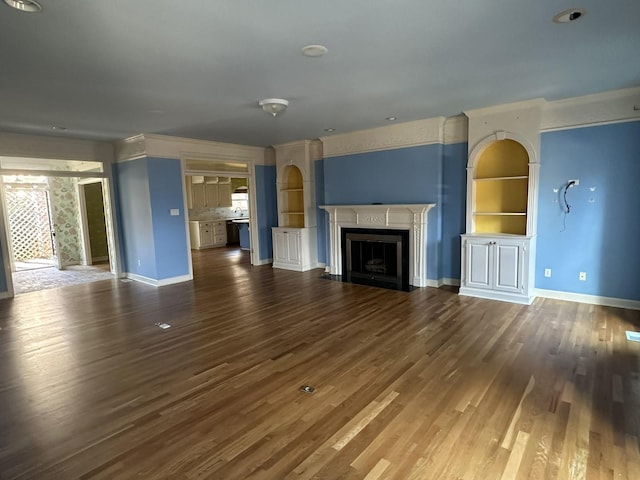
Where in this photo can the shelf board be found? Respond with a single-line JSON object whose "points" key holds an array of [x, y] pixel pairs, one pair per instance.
{"points": [[490, 179], [293, 213], [292, 190], [501, 214]]}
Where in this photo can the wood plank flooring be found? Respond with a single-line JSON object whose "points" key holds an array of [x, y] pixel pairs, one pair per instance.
{"points": [[419, 385]]}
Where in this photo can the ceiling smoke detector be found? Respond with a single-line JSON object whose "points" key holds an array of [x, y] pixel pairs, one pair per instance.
{"points": [[274, 106], [569, 15], [29, 6]]}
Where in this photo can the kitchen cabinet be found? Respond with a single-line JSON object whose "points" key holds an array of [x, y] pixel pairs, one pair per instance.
{"points": [[208, 192], [293, 247], [207, 234]]}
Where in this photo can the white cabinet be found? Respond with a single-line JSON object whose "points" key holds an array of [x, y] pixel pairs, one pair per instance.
{"points": [[207, 234], [208, 192], [293, 247], [497, 267]]}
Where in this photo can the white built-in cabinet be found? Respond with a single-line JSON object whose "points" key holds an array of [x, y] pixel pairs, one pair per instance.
{"points": [[295, 237], [208, 191], [498, 248]]}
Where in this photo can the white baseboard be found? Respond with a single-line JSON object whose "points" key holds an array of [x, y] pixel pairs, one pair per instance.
{"points": [[590, 299], [264, 261], [5, 295], [159, 283], [495, 295], [452, 282], [434, 283]]}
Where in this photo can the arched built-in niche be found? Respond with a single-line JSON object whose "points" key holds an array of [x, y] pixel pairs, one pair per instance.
{"points": [[292, 197]]}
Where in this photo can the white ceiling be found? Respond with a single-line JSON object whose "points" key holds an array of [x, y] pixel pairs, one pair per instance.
{"points": [[109, 69]]}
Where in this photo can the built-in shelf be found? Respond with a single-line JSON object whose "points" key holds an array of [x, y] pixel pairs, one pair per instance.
{"points": [[292, 190], [501, 213], [293, 213], [491, 179]]}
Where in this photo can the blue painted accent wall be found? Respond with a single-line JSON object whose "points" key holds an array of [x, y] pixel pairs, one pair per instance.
{"points": [[404, 175], [135, 217], [454, 197], [601, 233], [267, 208], [169, 233], [322, 217]]}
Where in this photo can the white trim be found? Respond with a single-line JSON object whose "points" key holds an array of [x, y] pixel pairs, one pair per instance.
{"points": [[185, 214], [84, 225], [5, 242], [587, 125], [589, 299], [264, 261], [434, 283], [407, 217], [452, 282], [505, 107], [496, 295], [298, 268], [401, 135], [456, 130], [589, 110], [158, 283], [4, 295], [165, 146], [55, 148]]}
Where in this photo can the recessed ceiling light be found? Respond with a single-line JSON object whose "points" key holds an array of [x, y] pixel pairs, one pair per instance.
{"points": [[391, 119], [314, 50], [569, 15], [29, 6], [329, 130], [58, 128]]}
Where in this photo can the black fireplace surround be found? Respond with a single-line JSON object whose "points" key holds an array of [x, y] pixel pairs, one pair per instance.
{"points": [[377, 257]]}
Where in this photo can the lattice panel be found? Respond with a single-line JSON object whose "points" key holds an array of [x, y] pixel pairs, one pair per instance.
{"points": [[28, 213]]}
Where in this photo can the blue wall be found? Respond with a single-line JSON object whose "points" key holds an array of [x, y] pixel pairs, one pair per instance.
{"points": [[454, 197], [601, 233], [165, 190], [267, 208], [136, 225], [404, 175]]}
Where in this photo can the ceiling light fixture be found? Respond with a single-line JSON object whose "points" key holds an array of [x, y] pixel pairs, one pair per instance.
{"points": [[391, 119], [29, 6], [59, 128], [329, 130], [314, 50], [570, 15], [274, 106]]}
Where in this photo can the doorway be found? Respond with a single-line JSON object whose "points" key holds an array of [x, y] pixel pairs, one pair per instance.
{"points": [[43, 220]]}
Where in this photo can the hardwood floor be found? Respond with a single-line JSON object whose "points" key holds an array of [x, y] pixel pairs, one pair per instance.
{"points": [[419, 385]]}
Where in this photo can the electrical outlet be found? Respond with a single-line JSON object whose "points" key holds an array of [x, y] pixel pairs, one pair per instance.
{"points": [[583, 276], [547, 272]]}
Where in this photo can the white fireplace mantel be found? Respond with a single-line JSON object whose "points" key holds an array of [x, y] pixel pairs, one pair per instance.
{"points": [[400, 217]]}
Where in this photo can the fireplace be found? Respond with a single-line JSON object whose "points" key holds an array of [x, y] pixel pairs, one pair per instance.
{"points": [[411, 218], [377, 257]]}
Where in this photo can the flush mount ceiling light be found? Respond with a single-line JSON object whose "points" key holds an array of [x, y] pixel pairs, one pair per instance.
{"points": [[329, 130], [274, 106], [391, 119], [314, 50], [569, 15], [29, 6]]}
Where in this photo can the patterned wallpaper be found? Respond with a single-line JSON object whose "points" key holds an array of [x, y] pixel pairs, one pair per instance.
{"points": [[65, 213]]}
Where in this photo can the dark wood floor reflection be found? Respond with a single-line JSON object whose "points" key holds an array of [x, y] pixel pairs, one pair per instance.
{"points": [[419, 385]]}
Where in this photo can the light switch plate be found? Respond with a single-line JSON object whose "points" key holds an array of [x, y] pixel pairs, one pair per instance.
{"points": [[174, 212]]}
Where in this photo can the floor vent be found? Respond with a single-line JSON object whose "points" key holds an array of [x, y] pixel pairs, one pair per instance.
{"points": [[307, 389], [163, 326]]}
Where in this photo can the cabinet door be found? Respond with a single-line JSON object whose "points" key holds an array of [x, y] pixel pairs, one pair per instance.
{"points": [[224, 194], [197, 196], [211, 194], [478, 263], [508, 266], [280, 246], [206, 236], [293, 248]]}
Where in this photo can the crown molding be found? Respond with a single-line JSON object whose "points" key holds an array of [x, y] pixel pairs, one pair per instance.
{"points": [[456, 129], [408, 134], [55, 148], [505, 107], [596, 109], [177, 147]]}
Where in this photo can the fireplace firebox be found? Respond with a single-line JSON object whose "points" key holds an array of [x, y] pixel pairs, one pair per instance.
{"points": [[378, 257]]}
